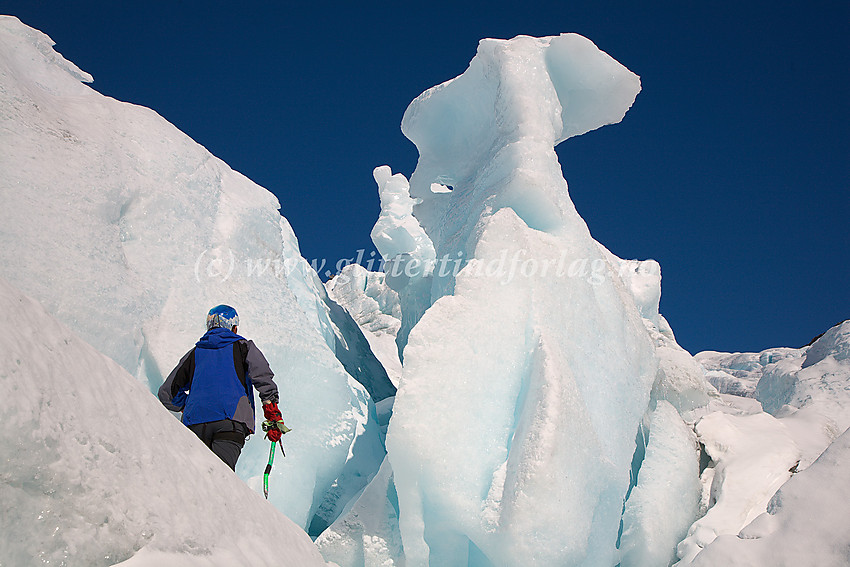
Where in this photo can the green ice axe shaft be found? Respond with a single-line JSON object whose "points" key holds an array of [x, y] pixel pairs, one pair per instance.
{"points": [[268, 470], [269, 425]]}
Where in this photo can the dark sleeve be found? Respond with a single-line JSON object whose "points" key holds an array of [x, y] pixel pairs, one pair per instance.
{"points": [[261, 375], [173, 391]]}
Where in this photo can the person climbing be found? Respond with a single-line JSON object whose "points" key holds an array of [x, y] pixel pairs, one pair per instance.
{"points": [[212, 386]]}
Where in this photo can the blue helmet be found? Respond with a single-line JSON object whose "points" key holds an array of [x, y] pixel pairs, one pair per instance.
{"points": [[223, 316]]}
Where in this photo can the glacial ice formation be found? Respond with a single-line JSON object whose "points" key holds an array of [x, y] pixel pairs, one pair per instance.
{"points": [[375, 307], [128, 231], [528, 367], [805, 387], [543, 414], [665, 501]]}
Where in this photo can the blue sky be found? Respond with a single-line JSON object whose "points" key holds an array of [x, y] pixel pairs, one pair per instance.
{"points": [[732, 169]]}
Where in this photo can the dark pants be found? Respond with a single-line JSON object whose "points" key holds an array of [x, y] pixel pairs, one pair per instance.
{"points": [[225, 437]]}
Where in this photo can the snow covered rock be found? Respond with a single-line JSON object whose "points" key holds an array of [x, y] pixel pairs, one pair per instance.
{"points": [[128, 231], [94, 472]]}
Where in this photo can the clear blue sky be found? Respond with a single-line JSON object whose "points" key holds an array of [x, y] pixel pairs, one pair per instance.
{"points": [[732, 169]]}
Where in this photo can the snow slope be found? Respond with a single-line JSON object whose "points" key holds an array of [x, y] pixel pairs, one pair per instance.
{"points": [[753, 453], [128, 232], [95, 473], [807, 522], [807, 388]]}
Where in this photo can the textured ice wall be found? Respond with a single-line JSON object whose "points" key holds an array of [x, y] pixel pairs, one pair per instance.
{"points": [[375, 307], [368, 534], [128, 231], [526, 378], [665, 501]]}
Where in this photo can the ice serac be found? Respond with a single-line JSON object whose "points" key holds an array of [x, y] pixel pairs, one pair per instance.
{"points": [[528, 367], [665, 501], [95, 473], [368, 534], [680, 379], [406, 248], [375, 307], [128, 231]]}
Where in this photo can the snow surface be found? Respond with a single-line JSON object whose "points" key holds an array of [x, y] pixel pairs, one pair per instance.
{"points": [[807, 522], [128, 231], [752, 456], [94, 472]]}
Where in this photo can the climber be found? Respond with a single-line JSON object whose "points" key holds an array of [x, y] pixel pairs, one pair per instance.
{"points": [[212, 386]]}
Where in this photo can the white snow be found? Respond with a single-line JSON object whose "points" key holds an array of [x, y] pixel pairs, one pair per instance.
{"points": [[94, 472], [807, 522], [753, 455], [128, 232]]}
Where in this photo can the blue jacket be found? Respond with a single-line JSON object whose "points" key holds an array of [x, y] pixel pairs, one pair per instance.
{"points": [[215, 379]]}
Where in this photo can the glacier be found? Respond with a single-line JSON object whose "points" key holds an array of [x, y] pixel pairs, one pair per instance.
{"points": [[504, 392], [128, 231], [515, 325]]}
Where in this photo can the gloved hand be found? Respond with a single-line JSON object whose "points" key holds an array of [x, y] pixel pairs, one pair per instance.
{"points": [[273, 426], [271, 411], [274, 435]]}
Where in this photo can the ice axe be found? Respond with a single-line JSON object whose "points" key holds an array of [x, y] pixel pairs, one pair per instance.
{"points": [[269, 425]]}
